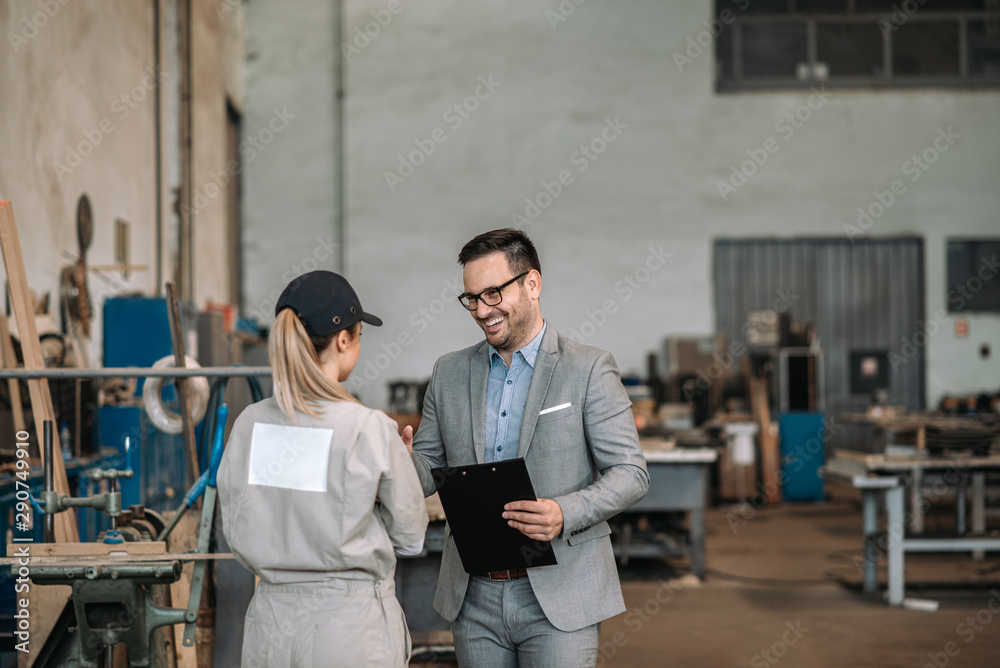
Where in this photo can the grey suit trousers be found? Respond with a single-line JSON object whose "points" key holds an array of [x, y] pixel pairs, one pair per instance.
{"points": [[501, 625]]}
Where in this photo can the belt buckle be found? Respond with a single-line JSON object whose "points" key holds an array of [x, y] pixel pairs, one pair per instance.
{"points": [[506, 577]]}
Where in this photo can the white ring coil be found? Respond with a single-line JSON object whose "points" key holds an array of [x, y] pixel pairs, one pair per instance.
{"points": [[170, 422]]}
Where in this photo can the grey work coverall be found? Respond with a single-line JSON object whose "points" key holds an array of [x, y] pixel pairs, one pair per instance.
{"points": [[315, 509]]}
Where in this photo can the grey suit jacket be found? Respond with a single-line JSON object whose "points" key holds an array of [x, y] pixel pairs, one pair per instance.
{"points": [[585, 456]]}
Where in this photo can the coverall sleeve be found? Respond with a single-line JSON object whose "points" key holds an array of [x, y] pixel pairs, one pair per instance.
{"points": [[400, 497]]}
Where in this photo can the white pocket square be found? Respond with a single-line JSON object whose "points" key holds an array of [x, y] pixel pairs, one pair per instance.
{"points": [[554, 409]]}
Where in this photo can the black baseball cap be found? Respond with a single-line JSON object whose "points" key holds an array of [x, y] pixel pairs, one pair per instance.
{"points": [[325, 303]]}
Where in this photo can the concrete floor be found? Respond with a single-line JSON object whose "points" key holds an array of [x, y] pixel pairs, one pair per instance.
{"points": [[783, 588]]}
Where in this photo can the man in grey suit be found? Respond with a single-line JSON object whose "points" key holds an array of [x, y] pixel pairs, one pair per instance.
{"points": [[529, 392]]}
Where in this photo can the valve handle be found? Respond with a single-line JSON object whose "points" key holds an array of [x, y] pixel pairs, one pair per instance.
{"points": [[196, 489]]}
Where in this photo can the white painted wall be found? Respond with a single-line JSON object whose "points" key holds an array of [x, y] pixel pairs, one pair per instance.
{"points": [[289, 208], [216, 74], [655, 185], [65, 94], [78, 79]]}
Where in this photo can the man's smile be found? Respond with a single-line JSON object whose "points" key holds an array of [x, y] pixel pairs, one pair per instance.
{"points": [[493, 323]]}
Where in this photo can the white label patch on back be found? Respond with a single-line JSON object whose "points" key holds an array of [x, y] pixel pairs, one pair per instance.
{"points": [[290, 457]]}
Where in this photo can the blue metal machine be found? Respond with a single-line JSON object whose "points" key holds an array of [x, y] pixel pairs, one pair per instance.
{"points": [[137, 334]]}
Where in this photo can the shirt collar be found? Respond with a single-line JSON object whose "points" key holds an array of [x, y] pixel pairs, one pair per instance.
{"points": [[528, 352]]}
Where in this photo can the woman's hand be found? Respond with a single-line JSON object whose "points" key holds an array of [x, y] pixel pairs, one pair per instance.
{"points": [[407, 437]]}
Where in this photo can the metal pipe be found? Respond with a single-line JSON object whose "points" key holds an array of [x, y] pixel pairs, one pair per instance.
{"points": [[138, 372], [49, 478], [109, 656], [183, 268], [173, 522], [157, 153], [960, 500], [339, 101], [112, 489]]}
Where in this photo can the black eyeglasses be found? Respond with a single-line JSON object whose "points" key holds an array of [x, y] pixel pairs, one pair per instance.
{"points": [[489, 296]]}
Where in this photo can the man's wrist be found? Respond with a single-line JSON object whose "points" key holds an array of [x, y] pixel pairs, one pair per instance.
{"points": [[562, 518]]}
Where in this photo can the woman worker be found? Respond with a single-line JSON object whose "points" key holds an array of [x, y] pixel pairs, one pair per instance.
{"points": [[318, 495]]}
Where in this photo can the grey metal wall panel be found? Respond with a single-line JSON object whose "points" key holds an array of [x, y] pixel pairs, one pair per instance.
{"points": [[865, 295]]}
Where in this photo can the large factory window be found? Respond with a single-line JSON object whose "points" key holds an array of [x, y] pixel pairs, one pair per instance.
{"points": [[973, 284], [782, 44]]}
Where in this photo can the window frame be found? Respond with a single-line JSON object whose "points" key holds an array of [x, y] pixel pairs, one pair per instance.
{"points": [[737, 82], [949, 289]]}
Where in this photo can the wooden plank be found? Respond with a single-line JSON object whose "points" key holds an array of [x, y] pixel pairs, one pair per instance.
{"points": [[184, 538], [181, 384], [8, 360], [652, 443], [38, 388], [771, 463], [86, 549], [879, 462], [770, 459], [112, 559], [45, 604]]}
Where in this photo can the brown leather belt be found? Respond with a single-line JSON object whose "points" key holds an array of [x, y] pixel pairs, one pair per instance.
{"points": [[506, 576]]}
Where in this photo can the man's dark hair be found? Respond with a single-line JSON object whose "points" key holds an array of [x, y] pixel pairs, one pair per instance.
{"points": [[515, 244]]}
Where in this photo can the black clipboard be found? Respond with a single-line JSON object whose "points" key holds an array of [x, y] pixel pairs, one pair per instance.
{"points": [[473, 498]]}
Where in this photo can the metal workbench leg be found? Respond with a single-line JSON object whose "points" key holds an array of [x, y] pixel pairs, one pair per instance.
{"points": [[896, 533], [698, 542], [697, 534], [978, 509], [917, 501], [870, 508], [961, 492]]}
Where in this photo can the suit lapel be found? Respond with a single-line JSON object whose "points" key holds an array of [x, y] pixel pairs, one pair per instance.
{"points": [[545, 363], [479, 372]]}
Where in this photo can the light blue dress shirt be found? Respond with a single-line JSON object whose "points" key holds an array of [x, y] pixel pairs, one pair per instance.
{"points": [[506, 394]]}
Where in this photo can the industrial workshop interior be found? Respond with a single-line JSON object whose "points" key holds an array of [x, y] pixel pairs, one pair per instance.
{"points": [[282, 383]]}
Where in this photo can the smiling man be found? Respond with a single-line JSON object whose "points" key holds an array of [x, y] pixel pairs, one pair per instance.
{"points": [[527, 391]]}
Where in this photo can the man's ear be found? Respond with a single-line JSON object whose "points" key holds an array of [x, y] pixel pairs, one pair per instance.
{"points": [[534, 282]]}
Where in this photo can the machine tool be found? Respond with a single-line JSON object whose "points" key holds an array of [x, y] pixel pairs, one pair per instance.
{"points": [[115, 588]]}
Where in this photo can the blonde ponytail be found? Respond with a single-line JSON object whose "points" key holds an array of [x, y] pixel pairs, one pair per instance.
{"points": [[299, 382]]}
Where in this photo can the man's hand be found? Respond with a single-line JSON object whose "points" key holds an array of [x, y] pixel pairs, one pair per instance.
{"points": [[407, 437], [540, 520]]}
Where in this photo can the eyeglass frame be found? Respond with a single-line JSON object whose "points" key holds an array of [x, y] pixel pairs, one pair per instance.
{"points": [[479, 297]]}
